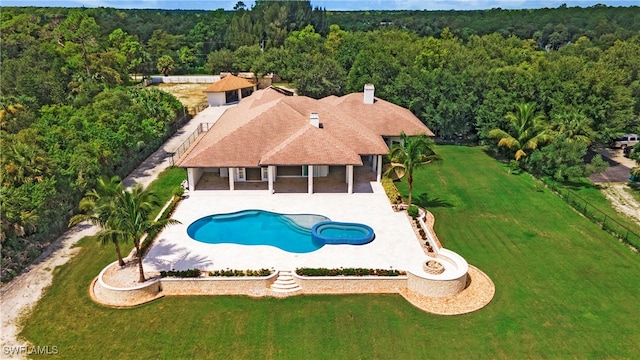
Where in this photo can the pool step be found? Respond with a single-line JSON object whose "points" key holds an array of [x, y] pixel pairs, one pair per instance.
{"points": [[285, 283]]}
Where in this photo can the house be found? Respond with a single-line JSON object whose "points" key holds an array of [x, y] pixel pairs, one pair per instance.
{"points": [[272, 136], [229, 89]]}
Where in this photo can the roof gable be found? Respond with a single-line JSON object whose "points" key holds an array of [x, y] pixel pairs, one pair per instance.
{"points": [[311, 146], [229, 83]]}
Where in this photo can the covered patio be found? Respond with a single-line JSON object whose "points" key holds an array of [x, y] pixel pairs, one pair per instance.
{"points": [[336, 180]]}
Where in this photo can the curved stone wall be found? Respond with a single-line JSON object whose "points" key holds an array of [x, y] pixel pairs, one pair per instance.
{"points": [[153, 289], [113, 296]]}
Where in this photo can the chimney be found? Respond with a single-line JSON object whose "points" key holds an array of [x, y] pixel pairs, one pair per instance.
{"points": [[314, 119], [369, 89]]}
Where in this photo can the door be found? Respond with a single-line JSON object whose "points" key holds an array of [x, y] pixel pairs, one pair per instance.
{"points": [[265, 173], [241, 174]]}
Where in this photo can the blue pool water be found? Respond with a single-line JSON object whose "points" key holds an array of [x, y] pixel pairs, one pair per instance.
{"points": [[257, 227], [331, 232]]}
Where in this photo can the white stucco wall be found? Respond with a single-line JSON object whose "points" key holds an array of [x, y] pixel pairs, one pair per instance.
{"points": [[216, 98]]}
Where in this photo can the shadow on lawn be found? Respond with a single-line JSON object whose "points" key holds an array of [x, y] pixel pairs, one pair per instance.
{"points": [[424, 202]]}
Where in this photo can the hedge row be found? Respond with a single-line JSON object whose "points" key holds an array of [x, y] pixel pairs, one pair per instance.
{"points": [[348, 272]]}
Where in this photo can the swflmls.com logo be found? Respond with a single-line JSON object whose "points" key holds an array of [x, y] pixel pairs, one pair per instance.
{"points": [[30, 350]]}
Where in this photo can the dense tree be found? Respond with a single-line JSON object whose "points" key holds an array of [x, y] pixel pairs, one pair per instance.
{"points": [[324, 77], [166, 65], [219, 61]]}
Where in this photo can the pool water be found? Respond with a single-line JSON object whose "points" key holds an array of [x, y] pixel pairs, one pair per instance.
{"points": [[257, 227]]}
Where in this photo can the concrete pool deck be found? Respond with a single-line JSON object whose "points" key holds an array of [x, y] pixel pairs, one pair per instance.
{"points": [[460, 289], [394, 247]]}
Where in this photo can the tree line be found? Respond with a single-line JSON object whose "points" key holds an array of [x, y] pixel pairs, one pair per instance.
{"points": [[70, 113]]}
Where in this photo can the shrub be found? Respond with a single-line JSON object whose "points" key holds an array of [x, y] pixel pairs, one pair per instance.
{"points": [[240, 273], [391, 190], [348, 272], [413, 211], [190, 273]]}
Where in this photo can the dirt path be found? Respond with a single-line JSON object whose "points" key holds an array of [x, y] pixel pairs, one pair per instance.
{"points": [[19, 296], [622, 200]]}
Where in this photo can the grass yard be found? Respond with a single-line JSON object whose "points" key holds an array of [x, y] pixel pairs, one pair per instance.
{"points": [[190, 95], [564, 289]]}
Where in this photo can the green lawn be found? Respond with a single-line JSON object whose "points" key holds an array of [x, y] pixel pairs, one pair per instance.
{"points": [[564, 289]]}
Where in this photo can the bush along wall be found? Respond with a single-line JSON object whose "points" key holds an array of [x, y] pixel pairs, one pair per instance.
{"points": [[348, 272]]}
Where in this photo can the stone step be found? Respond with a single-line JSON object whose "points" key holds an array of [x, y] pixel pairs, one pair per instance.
{"points": [[285, 283], [284, 286]]}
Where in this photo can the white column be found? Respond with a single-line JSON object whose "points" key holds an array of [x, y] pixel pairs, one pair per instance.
{"points": [[232, 175], [379, 169], [350, 179], [310, 177], [374, 162], [239, 94], [270, 177], [191, 179]]}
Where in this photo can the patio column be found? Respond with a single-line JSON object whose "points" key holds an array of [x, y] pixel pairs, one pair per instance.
{"points": [[310, 178], [239, 95], [232, 175], [379, 169], [270, 172], [350, 179], [191, 179]]}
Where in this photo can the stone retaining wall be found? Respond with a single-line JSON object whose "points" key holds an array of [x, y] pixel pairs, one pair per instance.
{"points": [[436, 288], [350, 284], [252, 286], [118, 297]]}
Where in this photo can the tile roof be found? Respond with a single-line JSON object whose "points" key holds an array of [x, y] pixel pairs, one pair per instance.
{"points": [[228, 83], [271, 128]]}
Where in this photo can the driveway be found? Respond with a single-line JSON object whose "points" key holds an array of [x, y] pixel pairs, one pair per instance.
{"points": [[619, 169]]}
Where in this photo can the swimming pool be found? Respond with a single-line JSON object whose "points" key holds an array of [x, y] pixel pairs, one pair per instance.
{"points": [[289, 232]]}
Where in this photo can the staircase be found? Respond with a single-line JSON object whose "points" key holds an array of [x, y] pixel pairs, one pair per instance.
{"points": [[285, 283]]}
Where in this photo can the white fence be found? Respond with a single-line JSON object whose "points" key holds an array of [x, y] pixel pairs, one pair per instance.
{"points": [[185, 79]]}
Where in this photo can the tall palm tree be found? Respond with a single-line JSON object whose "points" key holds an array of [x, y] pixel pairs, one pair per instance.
{"points": [[99, 206], [132, 219], [412, 153], [527, 131]]}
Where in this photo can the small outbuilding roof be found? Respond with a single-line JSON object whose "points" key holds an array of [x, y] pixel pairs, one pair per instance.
{"points": [[229, 83]]}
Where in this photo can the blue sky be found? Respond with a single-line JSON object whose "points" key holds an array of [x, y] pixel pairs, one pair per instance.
{"points": [[328, 4]]}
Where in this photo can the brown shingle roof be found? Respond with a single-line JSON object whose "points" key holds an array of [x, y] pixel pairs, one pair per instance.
{"points": [[382, 117], [311, 146], [270, 128], [229, 83]]}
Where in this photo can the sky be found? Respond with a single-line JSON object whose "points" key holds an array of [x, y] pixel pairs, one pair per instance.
{"points": [[327, 4]]}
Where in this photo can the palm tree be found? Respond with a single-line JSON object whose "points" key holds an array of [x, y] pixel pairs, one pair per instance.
{"points": [[527, 131], [99, 207], [412, 153], [132, 221], [574, 126]]}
